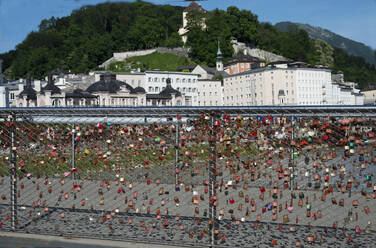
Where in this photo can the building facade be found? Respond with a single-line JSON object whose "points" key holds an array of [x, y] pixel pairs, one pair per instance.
{"points": [[107, 91], [287, 84], [369, 97], [184, 82], [242, 63], [9, 91], [154, 82], [210, 93]]}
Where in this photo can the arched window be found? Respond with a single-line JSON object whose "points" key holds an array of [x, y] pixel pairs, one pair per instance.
{"points": [[56, 103]]}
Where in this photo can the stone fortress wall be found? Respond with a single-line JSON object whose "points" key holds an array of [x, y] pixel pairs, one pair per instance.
{"points": [[180, 51]]}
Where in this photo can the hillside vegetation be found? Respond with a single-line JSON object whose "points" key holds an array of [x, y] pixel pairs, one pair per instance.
{"points": [[351, 47], [154, 61], [90, 35]]}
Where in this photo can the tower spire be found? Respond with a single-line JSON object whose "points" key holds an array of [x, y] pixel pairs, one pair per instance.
{"points": [[219, 62], [219, 53]]}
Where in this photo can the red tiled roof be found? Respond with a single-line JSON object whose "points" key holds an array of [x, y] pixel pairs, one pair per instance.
{"points": [[194, 6]]}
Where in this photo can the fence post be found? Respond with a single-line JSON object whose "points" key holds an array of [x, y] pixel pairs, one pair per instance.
{"points": [[177, 151], [212, 178], [73, 151], [292, 175], [13, 171]]}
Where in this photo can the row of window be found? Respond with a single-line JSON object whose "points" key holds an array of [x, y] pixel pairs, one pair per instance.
{"points": [[203, 85], [184, 89], [120, 102], [309, 95], [311, 74], [210, 93], [310, 81], [310, 103], [177, 80], [209, 102]]}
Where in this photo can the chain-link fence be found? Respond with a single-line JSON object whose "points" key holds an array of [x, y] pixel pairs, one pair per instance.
{"points": [[224, 177]]}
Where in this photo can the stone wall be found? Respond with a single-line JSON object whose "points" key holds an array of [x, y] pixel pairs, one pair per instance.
{"points": [[180, 51], [258, 53]]}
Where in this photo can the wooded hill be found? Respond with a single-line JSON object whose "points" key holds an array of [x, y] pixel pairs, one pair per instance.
{"points": [[350, 46], [89, 36]]}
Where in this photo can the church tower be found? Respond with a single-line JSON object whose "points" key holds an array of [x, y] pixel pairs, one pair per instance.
{"points": [[219, 59]]}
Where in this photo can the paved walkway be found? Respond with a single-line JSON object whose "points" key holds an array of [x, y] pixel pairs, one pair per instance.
{"points": [[20, 240]]}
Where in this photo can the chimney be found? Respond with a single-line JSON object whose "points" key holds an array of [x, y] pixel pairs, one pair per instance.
{"points": [[50, 80], [168, 82], [28, 82], [37, 85], [20, 86]]}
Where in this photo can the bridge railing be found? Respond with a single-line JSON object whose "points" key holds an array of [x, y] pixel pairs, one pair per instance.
{"points": [[194, 176]]}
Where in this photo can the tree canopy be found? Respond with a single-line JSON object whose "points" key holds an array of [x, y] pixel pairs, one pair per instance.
{"points": [[91, 34]]}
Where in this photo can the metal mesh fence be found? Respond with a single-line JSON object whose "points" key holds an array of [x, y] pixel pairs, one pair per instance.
{"points": [[230, 177]]}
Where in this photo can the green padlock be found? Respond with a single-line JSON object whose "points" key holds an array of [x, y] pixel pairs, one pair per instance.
{"points": [[368, 178], [308, 206]]}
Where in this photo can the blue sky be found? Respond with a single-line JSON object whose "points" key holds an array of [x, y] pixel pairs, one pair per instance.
{"points": [[353, 19]]}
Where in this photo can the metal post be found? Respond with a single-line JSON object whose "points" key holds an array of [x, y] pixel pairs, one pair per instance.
{"points": [[212, 180], [6, 96], [176, 151], [13, 172], [73, 150], [292, 155]]}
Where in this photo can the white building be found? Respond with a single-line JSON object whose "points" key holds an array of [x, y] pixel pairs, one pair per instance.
{"points": [[333, 93], [210, 92], [287, 84], [155, 81], [369, 97], [107, 91], [8, 93], [185, 82]]}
